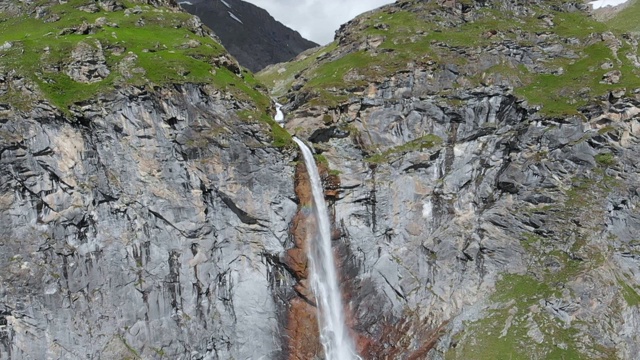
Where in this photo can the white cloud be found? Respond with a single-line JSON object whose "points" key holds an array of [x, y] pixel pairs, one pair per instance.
{"points": [[317, 20]]}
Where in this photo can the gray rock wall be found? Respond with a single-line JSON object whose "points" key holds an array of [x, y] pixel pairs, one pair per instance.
{"points": [[141, 230], [508, 196]]}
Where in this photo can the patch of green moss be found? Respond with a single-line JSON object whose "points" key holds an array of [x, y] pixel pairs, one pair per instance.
{"points": [[587, 192], [606, 129], [134, 352], [328, 98], [281, 138], [159, 352], [523, 288], [508, 331], [606, 159], [629, 294], [244, 88], [321, 159], [561, 95], [281, 76], [332, 74], [576, 25]]}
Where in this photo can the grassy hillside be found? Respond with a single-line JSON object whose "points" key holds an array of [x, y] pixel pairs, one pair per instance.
{"points": [[141, 45], [627, 20], [572, 56]]}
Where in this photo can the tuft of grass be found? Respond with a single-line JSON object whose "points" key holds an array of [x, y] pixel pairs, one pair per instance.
{"points": [[134, 352], [629, 294], [321, 159], [606, 159], [424, 142]]}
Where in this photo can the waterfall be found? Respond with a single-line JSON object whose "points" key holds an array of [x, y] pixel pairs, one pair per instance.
{"points": [[334, 335], [279, 118]]}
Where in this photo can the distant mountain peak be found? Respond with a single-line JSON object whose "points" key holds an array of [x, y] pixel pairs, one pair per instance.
{"points": [[248, 32]]}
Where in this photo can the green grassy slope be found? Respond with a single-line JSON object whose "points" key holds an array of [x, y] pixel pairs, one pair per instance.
{"points": [[142, 45], [166, 51], [427, 35], [628, 19]]}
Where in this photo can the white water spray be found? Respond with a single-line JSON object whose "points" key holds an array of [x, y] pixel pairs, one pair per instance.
{"points": [[279, 118], [334, 335]]}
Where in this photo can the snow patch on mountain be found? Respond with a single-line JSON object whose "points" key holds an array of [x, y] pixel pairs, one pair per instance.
{"points": [[235, 17]]}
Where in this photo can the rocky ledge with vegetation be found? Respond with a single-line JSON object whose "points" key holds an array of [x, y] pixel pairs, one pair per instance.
{"points": [[479, 159]]}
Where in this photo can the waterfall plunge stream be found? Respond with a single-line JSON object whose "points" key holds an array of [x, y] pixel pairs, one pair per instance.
{"points": [[334, 335]]}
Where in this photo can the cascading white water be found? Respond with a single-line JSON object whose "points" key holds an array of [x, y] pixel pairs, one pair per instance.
{"points": [[334, 335], [279, 118]]}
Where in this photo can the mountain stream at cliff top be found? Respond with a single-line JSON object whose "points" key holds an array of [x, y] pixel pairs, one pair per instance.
{"points": [[334, 334]]}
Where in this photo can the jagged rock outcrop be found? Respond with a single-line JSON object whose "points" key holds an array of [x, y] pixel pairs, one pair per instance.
{"points": [[88, 63], [504, 203], [139, 211]]}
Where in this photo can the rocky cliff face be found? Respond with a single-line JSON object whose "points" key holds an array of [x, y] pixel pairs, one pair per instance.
{"points": [[481, 177], [248, 32], [138, 232], [487, 198], [139, 222]]}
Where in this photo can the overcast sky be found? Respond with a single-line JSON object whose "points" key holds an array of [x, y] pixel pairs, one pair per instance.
{"points": [[317, 20]]}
